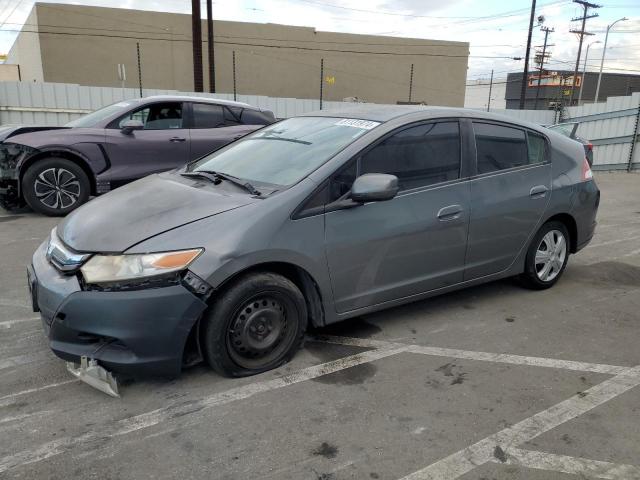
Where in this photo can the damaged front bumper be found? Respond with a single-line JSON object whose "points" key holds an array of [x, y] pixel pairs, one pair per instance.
{"points": [[12, 156], [136, 333], [93, 374]]}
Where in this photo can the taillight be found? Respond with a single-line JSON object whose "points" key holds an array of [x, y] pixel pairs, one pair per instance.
{"points": [[587, 174], [590, 146]]}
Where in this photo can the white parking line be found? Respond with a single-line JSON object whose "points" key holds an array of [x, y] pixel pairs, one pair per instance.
{"points": [[480, 356], [449, 467], [25, 359], [12, 396], [10, 323], [485, 450], [573, 465], [155, 417]]}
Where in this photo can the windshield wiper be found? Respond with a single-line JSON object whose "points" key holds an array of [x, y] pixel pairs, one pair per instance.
{"points": [[216, 177], [283, 139]]}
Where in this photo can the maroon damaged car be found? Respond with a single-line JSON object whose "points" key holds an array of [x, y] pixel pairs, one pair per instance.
{"points": [[54, 170]]}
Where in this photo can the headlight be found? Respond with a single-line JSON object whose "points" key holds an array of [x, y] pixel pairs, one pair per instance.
{"points": [[116, 268]]}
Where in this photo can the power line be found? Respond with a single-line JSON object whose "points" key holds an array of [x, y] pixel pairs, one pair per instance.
{"points": [[417, 54], [465, 19], [12, 12], [441, 44]]}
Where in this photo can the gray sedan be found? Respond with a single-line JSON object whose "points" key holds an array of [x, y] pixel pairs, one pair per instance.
{"points": [[309, 221]]}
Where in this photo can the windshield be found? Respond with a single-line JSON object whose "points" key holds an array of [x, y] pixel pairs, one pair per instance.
{"points": [[93, 118], [286, 152]]}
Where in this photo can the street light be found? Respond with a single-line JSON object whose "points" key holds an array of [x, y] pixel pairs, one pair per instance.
{"points": [[604, 50], [584, 70]]}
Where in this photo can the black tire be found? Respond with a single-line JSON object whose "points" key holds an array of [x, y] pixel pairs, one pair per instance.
{"points": [[257, 324], [533, 275], [39, 186]]}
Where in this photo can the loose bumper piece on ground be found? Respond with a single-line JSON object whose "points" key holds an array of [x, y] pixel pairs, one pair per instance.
{"points": [[93, 374]]}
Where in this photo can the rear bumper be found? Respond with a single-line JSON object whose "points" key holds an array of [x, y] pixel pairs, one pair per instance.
{"points": [[139, 333], [584, 211]]}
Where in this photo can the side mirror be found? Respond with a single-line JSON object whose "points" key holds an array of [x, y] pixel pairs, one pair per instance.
{"points": [[131, 125], [374, 187]]}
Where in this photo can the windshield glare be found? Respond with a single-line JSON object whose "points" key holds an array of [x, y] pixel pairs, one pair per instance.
{"points": [[286, 152], [93, 118]]}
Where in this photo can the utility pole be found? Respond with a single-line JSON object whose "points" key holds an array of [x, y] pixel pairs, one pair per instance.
{"points": [[411, 83], [321, 80], [196, 40], [525, 72], [139, 68], [211, 56], [604, 51], [584, 70], [586, 6], [233, 66], [543, 57], [490, 88]]}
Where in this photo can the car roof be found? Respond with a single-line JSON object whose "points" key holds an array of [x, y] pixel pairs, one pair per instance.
{"points": [[385, 113], [194, 98]]}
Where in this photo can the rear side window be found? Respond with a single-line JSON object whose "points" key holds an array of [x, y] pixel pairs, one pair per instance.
{"points": [[254, 117], [499, 148], [536, 146], [208, 116], [419, 156]]}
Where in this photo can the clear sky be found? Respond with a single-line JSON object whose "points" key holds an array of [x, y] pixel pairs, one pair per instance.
{"points": [[494, 28]]}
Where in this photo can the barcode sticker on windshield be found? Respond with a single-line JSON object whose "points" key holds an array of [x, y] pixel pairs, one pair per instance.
{"points": [[363, 124]]}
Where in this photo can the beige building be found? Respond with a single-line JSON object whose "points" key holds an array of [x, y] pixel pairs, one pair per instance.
{"points": [[84, 45]]}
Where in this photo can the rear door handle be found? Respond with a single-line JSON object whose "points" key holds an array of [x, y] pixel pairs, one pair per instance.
{"points": [[538, 191], [451, 212], [177, 139]]}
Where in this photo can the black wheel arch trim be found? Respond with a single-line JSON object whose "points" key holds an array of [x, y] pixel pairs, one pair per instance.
{"points": [[67, 153]]}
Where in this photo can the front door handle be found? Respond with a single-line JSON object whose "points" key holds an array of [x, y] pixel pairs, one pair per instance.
{"points": [[538, 191], [177, 139], [449, 213]]}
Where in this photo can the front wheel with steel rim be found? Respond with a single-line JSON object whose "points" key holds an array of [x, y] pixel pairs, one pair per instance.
{"points": [[547, 256], [55, 186], [257, 324]]}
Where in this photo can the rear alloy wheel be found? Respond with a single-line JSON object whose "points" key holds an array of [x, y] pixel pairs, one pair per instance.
{"points": [[547, 256], [256, 325], [55, 186]]}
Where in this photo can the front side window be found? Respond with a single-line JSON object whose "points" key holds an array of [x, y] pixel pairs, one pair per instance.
{"points": [[419, 156], [285, 152], [499, 148], [158, 116]]}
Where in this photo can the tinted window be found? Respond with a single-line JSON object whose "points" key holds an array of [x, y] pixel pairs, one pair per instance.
{"points": [[159, 116], [207, 116], [253, 117], [418, 156], [499, 148], [536, 144]]}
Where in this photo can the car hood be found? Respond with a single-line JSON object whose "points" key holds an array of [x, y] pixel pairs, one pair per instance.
{"points": [[38, 136], [136, 212], [12, 131]]}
